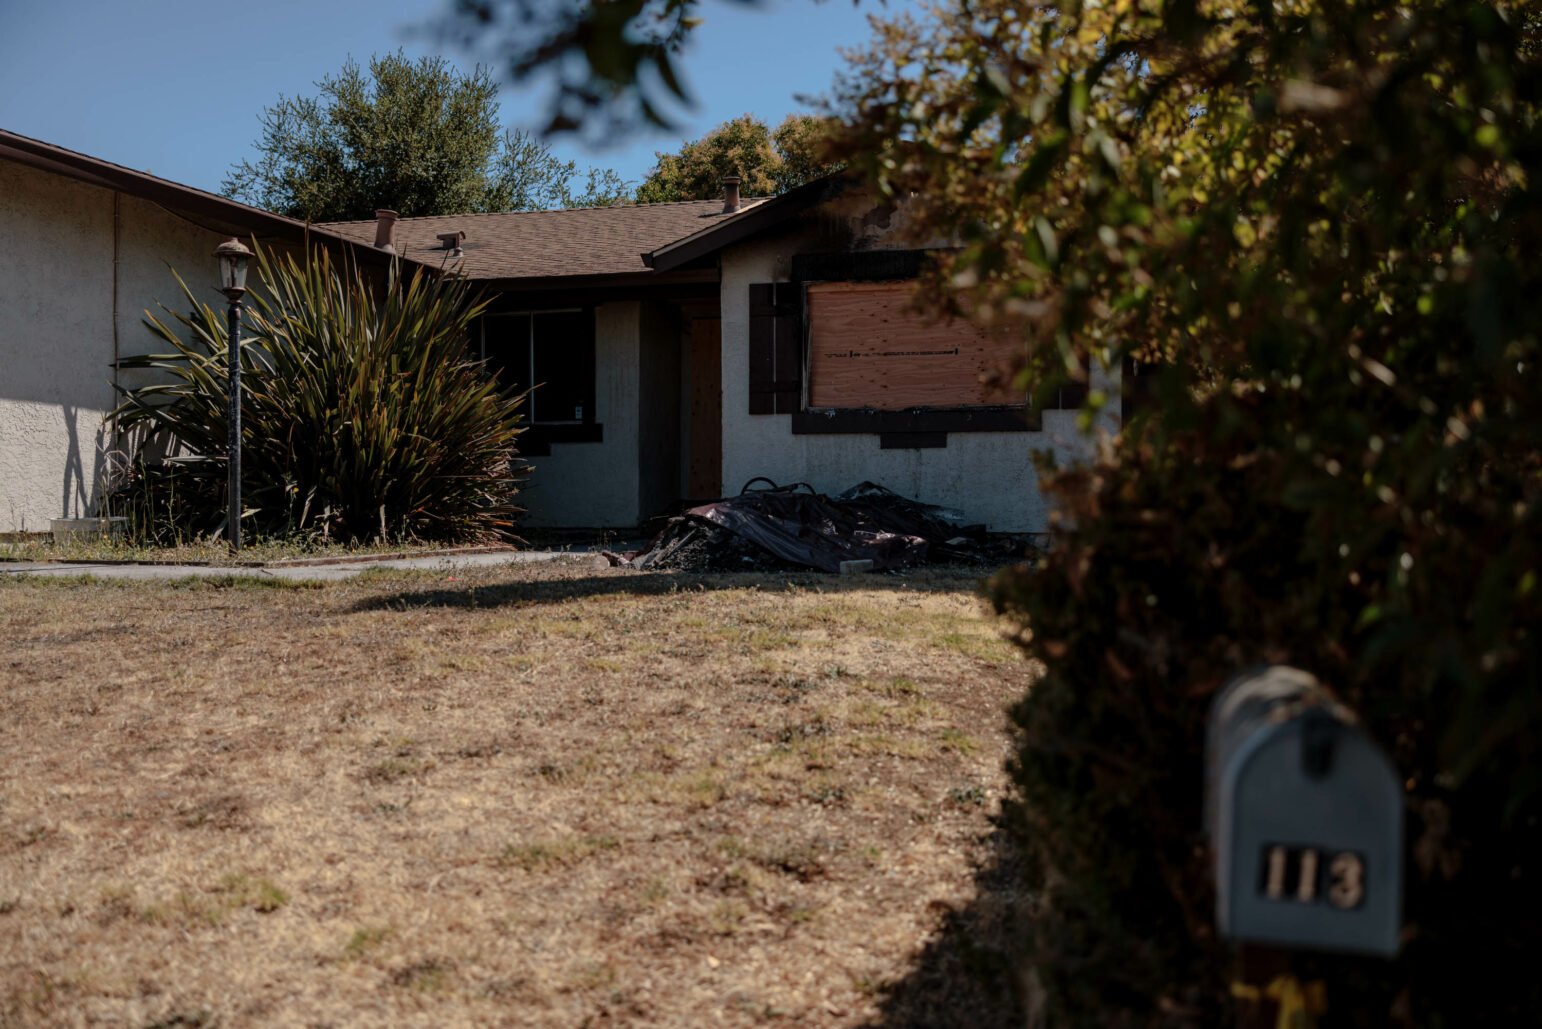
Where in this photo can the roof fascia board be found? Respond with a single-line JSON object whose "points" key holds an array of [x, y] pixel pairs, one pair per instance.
{"points": [[757, 219], [700, 296], [695, 276], [172, 195]]}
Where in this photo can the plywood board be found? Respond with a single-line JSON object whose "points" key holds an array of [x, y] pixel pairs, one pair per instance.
{"points": [[867, 349]]}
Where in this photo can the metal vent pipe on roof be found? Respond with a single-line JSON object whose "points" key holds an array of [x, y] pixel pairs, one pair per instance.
{"points": [[731, 193], [385, 230]]}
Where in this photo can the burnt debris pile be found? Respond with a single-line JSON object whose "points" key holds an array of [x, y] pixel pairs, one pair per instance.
{"points": [[769, 527]]}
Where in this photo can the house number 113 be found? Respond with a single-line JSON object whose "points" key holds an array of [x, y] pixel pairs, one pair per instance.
{"points": [[1307, 875]]}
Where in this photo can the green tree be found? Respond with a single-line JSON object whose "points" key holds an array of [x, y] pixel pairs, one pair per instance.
{"points": [[528, 177], [769, 163], [804, 147], [417, 137]]}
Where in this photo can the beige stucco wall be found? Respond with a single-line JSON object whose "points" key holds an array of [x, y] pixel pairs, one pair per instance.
{"points": [[596, 484], [56, 352], [987, 475], [56, 329]]}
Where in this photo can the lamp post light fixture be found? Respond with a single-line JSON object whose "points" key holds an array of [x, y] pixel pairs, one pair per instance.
{"points": [[233, 258]]}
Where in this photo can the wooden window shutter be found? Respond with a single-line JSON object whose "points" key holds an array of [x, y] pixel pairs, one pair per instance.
{"points": [[776, 347], [762, 347]]}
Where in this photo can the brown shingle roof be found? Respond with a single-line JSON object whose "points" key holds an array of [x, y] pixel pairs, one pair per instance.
{"points": [[546, 244]]}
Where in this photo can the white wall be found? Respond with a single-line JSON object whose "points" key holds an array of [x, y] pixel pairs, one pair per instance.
{"points": [[56, 329], [987, 475], [595, 485]]}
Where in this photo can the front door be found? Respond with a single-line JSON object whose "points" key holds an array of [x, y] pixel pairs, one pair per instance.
{"points": [[705, 479]]}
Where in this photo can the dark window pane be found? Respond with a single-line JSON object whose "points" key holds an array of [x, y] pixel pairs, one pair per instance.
{"points": [[562, 368], [508, 349]]}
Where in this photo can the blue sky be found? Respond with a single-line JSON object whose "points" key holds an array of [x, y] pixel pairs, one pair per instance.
{"points": [[175, 87]]}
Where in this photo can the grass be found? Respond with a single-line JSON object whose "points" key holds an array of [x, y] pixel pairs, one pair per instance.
{"points": [[200, 551], [548, 855], [191, 584], [542, 795]]}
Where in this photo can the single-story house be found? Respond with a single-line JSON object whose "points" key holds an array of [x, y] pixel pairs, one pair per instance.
{"points": [[679, 350], [684, 349], [86, 247]]}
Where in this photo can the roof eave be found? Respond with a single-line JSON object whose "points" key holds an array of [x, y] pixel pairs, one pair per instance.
{"points": [[231, 214], [601, 280], [756, 219]]}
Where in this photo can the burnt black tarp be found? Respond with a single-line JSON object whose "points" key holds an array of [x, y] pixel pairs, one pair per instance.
{"points": [[794, 526], [807, 528]]}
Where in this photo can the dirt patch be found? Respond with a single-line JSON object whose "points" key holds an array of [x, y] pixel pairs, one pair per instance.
{"points": [[541, 795]]}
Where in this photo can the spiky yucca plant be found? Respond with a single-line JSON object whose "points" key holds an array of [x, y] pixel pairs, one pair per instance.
{"points": [[363, 414]]}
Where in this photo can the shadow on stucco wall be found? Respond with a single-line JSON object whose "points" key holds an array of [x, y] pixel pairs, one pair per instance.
{"points": [[77, 492]]}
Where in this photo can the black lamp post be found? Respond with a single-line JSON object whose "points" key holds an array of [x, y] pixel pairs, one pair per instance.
{"points": [[233, 257]]}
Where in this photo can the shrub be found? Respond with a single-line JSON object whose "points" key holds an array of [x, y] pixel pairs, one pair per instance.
{"points": [[1322, 219], [1199, 552], [363, 415]]}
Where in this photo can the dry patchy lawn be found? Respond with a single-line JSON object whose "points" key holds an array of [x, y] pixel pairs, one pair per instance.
{"points": [[543, 795]]}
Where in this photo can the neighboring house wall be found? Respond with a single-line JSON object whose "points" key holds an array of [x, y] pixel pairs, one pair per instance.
{"points": [[58, 266], [597, 484], [989, 476]]}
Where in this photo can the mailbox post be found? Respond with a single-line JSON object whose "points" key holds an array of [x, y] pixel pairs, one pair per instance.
{"points": [[1305, 816]]}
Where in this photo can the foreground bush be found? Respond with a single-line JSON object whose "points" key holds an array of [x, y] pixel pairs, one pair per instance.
{"points": [[363, 414], [1321, 220], [1421, 611]]}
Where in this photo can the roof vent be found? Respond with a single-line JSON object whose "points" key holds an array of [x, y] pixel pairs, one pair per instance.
{"points": [[385, 230], [731, 193], [451, 241]]}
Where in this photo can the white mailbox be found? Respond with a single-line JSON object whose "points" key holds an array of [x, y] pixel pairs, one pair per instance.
{"points": [[1305, 815]]}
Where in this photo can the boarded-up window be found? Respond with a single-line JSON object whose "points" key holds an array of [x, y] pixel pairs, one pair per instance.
{"points": [[867, 349]]}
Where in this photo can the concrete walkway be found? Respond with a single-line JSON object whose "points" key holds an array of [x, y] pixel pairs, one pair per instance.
{"points": [[312, 572]]}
